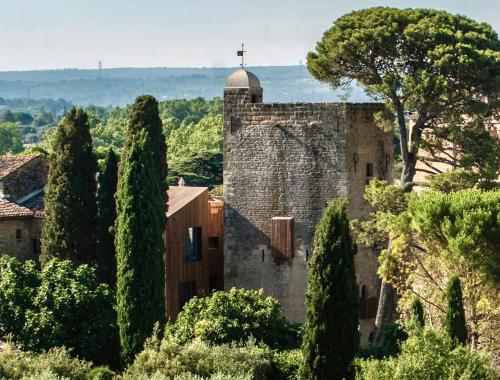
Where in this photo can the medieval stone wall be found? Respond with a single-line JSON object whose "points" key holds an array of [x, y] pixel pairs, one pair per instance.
{"points": [[30, 234], [289, 160]]}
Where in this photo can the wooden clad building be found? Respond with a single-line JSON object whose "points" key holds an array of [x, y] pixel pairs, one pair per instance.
{"points": [[190, 227]]}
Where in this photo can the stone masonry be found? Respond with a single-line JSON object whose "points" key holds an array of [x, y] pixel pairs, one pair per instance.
{"points": [[289, 160], [22, 180]]}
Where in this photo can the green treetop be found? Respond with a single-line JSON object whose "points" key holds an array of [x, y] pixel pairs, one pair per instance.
{"points": [[70, 194], [10, 138], [141, 201]]}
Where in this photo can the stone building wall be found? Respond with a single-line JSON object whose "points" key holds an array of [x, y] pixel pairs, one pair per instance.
{"points": [[280, 160], [366, 145], [30, 177], [22, 248], [289, 160]]}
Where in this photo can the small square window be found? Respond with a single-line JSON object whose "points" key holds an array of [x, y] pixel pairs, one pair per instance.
{"points": [[213, 242], [192, 244], [19, 234]]}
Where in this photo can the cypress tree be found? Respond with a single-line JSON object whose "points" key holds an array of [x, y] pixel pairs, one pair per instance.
{"points": [[455, 315], [106, 260], [331, 336], [70, 194], [417, 311], [141, 201]]}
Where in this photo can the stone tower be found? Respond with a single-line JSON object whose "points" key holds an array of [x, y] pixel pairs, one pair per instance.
{"points": [[282, 163]]}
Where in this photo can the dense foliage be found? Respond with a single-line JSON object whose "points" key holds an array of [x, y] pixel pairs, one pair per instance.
{"points": [[70, 194], [141, 201], [55, 364], [435, 235], [10, 139], [169, 358], [106, 260], [235, 316], [18, 284], [62, 305], [455, 315], [428, 355], [331, 335], [192, 128]]}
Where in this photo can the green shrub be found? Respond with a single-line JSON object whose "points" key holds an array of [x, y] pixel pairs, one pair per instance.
{"points": [[63, 305], [72, 309], [100, 373], [51, 365], [18, 282], [427, 355], [286, 364], [190, 376], [235, 316], [170, 358]]}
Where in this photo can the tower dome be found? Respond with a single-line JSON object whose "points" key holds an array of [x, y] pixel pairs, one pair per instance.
{"points": [[242, 79]]}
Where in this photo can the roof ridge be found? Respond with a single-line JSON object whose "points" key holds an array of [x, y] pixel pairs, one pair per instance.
{"points": [[30, 157]]}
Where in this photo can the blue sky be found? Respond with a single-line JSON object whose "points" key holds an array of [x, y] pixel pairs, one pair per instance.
{"points": [[36, 34]]}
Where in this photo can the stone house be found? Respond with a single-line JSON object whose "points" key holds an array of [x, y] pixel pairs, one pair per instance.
{"points": [[282, 163], [22, 182]]}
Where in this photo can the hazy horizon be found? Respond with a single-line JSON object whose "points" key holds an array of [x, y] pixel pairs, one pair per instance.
{"points": [[62, 34], [149, 67]]}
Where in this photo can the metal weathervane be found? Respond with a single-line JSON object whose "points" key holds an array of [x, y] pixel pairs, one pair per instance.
{"points": [[241, 53]]}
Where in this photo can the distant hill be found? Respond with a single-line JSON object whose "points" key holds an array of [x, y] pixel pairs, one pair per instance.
{"points": [[118, 87]]}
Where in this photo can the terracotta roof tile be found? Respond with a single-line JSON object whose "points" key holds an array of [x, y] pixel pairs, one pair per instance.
{"points": [[10, 209], [10, 163]]}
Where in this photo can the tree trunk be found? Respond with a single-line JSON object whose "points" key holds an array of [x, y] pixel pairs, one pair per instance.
{"points": [[386, 312], [388, 298]]}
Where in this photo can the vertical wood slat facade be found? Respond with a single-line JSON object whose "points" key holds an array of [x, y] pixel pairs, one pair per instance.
{"points": [[282, 236], [216, 231], [190, 210]]}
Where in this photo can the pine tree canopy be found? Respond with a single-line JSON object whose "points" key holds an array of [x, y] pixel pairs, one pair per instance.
{"points": [[70, 194], [141, 201], [424, 63], [332, 301]]}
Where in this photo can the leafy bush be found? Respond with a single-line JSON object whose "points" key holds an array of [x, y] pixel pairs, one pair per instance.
{"points": [[51, 365], [286, 364], [169, 358], [72, 309], [190, 376], [100, 373], [18, 282], [235, 316], [63, 305], [427, 355]]}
